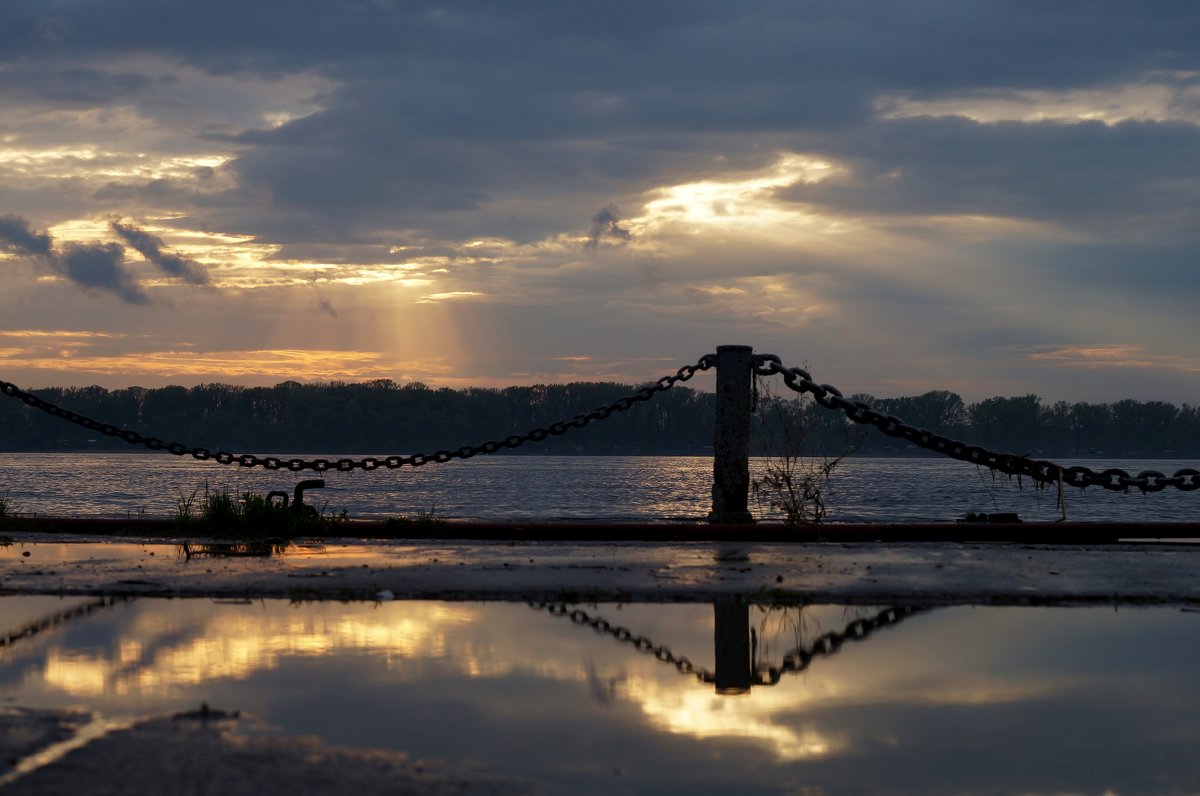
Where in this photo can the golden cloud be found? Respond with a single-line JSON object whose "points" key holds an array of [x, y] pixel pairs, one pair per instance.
{"points": [[1121, 355], [282, 364], [453, 295]]}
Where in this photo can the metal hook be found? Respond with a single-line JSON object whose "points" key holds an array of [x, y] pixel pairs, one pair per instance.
{"points": [[298, 500]]}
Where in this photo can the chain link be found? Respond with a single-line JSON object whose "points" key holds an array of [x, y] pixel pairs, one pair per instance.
{"points": [[371, 462], [642, 644], [1040, 470], [830, 643]]}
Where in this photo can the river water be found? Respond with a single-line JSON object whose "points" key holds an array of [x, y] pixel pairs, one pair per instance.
{"points": [[509, 487]]}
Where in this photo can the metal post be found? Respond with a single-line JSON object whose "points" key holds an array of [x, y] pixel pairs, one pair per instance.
{"points": [[731, 643], [731, 443]]}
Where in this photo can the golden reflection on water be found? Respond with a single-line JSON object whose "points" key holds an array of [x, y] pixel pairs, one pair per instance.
{"points": [[76, 673], [163, 651], [934, 695], [704, 714]]}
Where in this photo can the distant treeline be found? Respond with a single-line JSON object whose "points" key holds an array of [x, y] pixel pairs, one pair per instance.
{"points": [[383, 417]]}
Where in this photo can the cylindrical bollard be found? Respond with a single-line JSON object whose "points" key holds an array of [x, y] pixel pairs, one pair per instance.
{"points": [[731, 643], [731, 441]]}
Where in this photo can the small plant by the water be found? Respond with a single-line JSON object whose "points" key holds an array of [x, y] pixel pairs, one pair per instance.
{"points": [[10, 518], [791, 485], [425, 521], [6, 521], [249, 517]]}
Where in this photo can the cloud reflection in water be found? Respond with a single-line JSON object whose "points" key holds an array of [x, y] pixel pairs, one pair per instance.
{"points": [[946, 700]]}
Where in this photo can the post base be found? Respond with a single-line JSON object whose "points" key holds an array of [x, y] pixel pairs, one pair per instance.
{"points": [[730, 518]]}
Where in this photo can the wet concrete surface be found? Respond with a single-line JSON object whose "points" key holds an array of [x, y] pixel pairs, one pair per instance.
{"points": [[847, 573], [197, 755], [193, 756], [25, 733]]}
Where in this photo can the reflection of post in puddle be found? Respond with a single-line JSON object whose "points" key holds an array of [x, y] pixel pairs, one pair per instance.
{"points": [[731, 645], [735, 643]]}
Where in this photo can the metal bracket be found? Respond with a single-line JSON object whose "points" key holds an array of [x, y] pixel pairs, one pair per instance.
{"points": [[298, 500]]}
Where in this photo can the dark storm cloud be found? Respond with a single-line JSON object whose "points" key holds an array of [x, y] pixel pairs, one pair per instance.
{"points": [[151, 247], [437, 117], [393, 131], [1061, 42], [606, 225], [16, 237], [92, 266], [152, 191], [1160, 274], [70, 85], [488, 107], [101, 267], [1088, 173]]}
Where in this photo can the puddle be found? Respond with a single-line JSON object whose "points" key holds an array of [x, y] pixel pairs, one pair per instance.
{"points": [[91, 551], [656, 698]]}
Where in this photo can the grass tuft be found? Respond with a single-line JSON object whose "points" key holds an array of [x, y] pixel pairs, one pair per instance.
{"points": [[10, 518], [791, 485], [254, 520], [425, 522]]}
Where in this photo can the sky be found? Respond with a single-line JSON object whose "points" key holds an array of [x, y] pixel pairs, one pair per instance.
{"points": [[990, 198]]}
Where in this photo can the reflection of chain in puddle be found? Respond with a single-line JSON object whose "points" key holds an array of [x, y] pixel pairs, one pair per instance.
{"points": [[829, 643], [56, 619], [786, 627], [735, 643], [642, 644]]}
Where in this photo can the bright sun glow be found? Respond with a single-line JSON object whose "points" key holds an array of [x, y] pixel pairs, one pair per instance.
{"points": [[743, 202]]}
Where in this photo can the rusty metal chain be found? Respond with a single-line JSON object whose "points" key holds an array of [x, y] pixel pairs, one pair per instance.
{"points": [[830, 643], [660, 652], [1040, 470], [371, 462]]}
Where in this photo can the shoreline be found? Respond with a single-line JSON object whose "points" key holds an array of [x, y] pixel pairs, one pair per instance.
{"points": [[699, 530], [829, 572]]}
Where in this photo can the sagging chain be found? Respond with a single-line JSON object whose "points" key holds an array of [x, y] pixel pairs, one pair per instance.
{"points": [[371, 462], [1040, 470], [57, 619], [642, 644], [830, 643]]}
